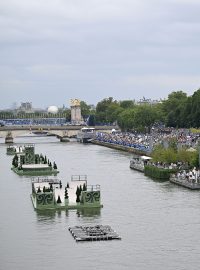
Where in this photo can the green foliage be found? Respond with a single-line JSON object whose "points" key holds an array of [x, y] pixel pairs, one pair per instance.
{"points": [[59, 199], [37, 159], [172, 155], [15, 161], [160, 154], [85, 109], [66, 194], [67, 114], [126, 119], [158, 173], [78, 194], [105, 109], [84, 187], [145, 116], [54, 166], [173, 144], [127, 104], [50, 187], [191, 158], [174, 107], [60, 184]]}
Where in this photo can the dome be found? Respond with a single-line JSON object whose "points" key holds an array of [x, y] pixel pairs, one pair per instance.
{"points": [[53, 109]]}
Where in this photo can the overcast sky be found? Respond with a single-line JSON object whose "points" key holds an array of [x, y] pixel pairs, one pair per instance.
{"points": [[55, 50]]}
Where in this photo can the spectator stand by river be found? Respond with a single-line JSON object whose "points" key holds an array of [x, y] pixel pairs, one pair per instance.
{"points": [[146, 142]]}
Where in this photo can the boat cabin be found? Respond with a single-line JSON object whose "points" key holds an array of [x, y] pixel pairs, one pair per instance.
{"points": [[88, 130]]}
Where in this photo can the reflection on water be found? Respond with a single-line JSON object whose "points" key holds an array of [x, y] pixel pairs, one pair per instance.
{"points": [[44, 216], [89, 212]]}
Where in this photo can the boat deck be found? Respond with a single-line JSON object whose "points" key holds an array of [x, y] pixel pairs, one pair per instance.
{"points": [[185, 183], [93, 233]]}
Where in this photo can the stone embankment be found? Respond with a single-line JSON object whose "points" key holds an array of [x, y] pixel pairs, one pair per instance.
{"points": [[120, 147]]}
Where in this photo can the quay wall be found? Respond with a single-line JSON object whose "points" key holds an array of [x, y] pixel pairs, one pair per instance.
{"points": [[120, 147]]}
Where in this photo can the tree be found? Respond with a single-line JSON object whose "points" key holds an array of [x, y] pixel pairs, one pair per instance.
{"points": [[195, 109], [77, 195], [102, 114], [54, 166], [125, 119], [171, 107], [15, 161], [127, 104], [59, 199], [85, 109], [145, 117], [112, 112], [67, 114], [84, 187], [51, 186], [66, 194]]}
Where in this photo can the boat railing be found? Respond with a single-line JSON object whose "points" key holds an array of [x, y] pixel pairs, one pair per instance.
{"points": [[78, 177], [93, 188], [44, 179]]}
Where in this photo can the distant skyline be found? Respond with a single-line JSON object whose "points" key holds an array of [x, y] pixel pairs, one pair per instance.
{"points": [[56, 50]]}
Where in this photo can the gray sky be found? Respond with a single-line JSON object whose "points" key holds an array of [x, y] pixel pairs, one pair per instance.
{"points": [[55, 50]]}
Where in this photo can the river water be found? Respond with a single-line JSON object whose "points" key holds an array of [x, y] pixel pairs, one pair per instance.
{"points": [[159, 222]]}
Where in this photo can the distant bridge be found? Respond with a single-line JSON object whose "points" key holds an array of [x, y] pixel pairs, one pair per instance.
{"points": [[62, 132]]}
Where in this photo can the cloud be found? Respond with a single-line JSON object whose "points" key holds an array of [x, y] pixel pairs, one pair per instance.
{"points": [[98, 48], [160, 84]]}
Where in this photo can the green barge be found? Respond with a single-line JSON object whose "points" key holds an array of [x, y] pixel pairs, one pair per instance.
{"points": [[49, 194], [31, 164]]}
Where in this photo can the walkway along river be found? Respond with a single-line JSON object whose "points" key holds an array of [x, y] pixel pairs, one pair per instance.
{"points": [[158, 221]]}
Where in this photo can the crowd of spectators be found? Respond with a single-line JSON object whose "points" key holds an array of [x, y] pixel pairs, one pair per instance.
{"points": [[146, 142], [138, 141], [34, 121]]}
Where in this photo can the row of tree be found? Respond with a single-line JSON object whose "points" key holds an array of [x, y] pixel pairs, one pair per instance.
{"points": [[178, 110]]}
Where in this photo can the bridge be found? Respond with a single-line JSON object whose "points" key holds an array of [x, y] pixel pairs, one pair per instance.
{"points": [[62, 132]]}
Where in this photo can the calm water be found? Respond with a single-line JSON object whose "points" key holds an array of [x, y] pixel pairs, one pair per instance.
{"points": [[159, 222]]}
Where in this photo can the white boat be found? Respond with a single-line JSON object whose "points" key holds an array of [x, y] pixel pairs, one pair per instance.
{"points": [[138, 162], [86, 134]]}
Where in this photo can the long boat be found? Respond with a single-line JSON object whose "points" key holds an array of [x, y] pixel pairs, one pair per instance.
{"points": [[138, 162], [86, 134]]}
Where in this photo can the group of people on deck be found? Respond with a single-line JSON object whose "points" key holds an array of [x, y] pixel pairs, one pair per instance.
{"points": [[192, 176]]}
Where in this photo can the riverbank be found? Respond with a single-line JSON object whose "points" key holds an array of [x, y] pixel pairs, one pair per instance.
{"points": [[120, 147]]}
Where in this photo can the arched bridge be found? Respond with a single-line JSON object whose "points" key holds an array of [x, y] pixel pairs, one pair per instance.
{"points": [[62, 132]]}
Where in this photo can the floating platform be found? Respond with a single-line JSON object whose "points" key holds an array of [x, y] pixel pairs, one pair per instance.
{"points": [[185, 183], [50, 194], [35, 170], [94, 233], [13, 149]]}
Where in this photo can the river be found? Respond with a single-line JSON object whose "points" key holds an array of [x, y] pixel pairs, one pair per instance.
{"points": [[159, 222]]}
